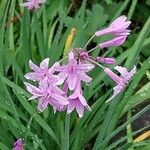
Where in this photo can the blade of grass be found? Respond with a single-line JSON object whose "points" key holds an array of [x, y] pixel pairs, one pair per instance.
{"points": [[122, 127]]}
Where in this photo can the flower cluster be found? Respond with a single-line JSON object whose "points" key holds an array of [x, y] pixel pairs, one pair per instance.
{"points": [[49, 79], [61, 84]]}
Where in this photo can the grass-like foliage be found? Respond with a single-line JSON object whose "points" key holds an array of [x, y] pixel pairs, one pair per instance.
{"points": [[52, 31]]}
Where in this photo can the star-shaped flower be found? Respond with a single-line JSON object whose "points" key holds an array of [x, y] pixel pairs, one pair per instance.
{"points": [[47, 94], [121, 81], [77, 101], [74, 71]]}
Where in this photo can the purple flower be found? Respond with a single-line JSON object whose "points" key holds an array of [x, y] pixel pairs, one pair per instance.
{"points": [[73, 72], [18, 145], [106, 60], [77, 101], [114, 42], [117, 27], [121, 81], [47, 94], [30, 4], [42, 71]]}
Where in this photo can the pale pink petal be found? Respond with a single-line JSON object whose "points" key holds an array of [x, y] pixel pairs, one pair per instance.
{"points": [[53, 68], [70, 107], [43, 84], [72, 81], [42, 104], [61, 78], [85, 67], [58, 90], [72, 64], [34, 66], [122, 70], [71, 56], [103, 31], [82, 100], [117, 90], [133, 71], [112, 75], [60, 99], [34, 97], [80, 109], [130, 74], [33, 76], [83, 77], [32, 89], [44, 64], [114, 42]]}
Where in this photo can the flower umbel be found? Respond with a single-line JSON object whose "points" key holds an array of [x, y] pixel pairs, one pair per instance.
{"points": [[61, 85]]}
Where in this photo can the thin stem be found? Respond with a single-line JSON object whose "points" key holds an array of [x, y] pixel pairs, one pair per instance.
{"points": [[93, 49], [94, 62], [67, 128], [62, 59], [89, 41]]}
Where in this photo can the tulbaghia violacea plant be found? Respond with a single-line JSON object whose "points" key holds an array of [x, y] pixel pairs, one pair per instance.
{"points": [[71, 76]]}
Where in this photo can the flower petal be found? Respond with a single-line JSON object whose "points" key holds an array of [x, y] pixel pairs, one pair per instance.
{"points": [[82, 100], [85, 67], [71, 106], [122, 70], [44, 64], [71, 56], [42, 104], [60, 99], [32, 89], [83, 77], [72, 81], [61, 77], [34, 66], [53, 68], [33, 76], [80, 109]]}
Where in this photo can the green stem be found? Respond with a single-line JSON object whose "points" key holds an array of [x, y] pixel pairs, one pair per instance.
{"points": [[132, 9], [129, 129], [67, 128], [89, 41]]}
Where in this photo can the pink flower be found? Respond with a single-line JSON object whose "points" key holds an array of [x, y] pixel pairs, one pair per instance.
{"points": [[117, 27], [106, 60], [47, 94], [77, 101], [114, 42], [73, 72], [33, 4], [18, 145], [121, 81], [42, 71]]}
